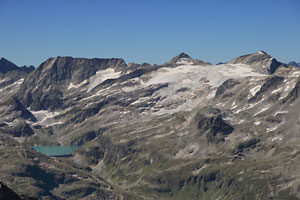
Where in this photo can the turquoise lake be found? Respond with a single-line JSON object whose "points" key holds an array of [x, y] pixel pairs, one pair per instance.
{"points": [[55, 150]]}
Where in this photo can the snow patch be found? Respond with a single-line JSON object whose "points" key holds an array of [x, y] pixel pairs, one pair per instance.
{"points": [[240, 110], [257, 123], [101, 76], [272, 129], [281, 112], [276, 138], [275, 91], [254, 90], [46, 118], [18, 82], [242, 121], [71, 85], [262, 110], [296, 73]]}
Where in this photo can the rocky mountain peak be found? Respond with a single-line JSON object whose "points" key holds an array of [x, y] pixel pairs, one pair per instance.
{"points": [[294, 63], [184, 58], [259, 61], [6, 66], [77, 69], [100, 63], [27, 69], [179, 57]]}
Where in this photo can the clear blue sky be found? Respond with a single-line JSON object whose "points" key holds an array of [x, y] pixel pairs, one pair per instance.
{"points": [[148, 30]]}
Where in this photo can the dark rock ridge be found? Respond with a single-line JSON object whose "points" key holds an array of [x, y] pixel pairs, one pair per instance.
{"points": [[293, 95], [209, 121], [260, 61], [293, 63], [230, 83], [135, 66], [180, 56], [19, 129], [17, 110], [6, 66], [55, 74], [270, 84], [60, 69], [7, 194], [27, 69], [186, 57]]}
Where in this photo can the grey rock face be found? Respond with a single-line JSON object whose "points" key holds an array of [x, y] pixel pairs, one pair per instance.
{"points": [[17, 110], [180, 56], [52, 77], [183, 57], [7, 194], [271, 83], [6, 66], [230, 83], [209, 121], [293, 63], [293, 95], [27, 69], [19, 129], [260, 61]]}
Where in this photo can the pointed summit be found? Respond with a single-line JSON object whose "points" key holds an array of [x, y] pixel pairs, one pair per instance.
{"points": [[260, 61], [184, 58], [183, 55], [6, 66], [179, 57]]}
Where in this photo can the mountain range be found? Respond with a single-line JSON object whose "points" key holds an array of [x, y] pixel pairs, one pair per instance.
{"points": [[185, 129]]}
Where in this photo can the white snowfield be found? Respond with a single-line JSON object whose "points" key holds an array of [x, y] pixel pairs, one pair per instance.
{"points": [[188, 75], [45, 117], [101, 76], [71, 85], [197, 78], [200, 83]]}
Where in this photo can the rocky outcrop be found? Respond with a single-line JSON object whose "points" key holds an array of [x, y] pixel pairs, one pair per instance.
{"points": [[180, 56], [6, 66], [17, 110], [293, 95], [294, 64], [185, 58], [27, 69], [7, 194], [17, 129], [228, 84], [260, 62], [209, 122], [270, 84]]}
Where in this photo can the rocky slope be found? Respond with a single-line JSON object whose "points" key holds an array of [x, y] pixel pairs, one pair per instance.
{"points": [[7, 194], [182, 130], [260, 61]]}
